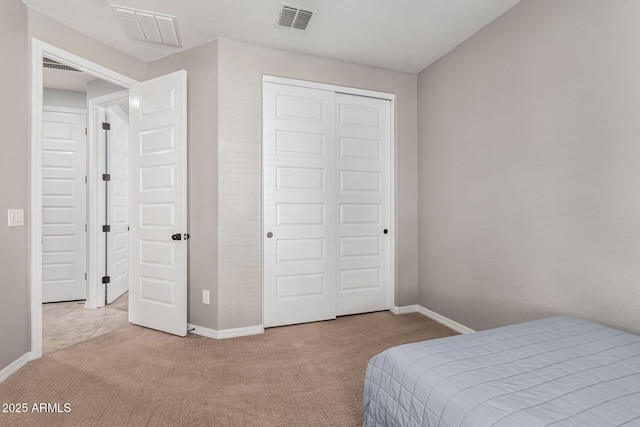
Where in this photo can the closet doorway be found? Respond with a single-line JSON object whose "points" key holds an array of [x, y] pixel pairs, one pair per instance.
{"points": [[328, 212]]}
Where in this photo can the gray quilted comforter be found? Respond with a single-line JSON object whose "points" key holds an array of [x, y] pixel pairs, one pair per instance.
{"points": [[559, 371]]}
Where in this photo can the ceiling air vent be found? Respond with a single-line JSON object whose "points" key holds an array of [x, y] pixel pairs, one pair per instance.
{"points": [[148, 26], [294, 17], [55, 65]]}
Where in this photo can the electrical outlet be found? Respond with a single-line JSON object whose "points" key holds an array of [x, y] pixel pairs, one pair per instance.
{"points": [[205, 296], [16, 218]]}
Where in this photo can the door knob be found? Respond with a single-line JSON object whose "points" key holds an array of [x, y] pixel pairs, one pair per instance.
{"points": [[177, 236], [269, 235], [385, 231]]}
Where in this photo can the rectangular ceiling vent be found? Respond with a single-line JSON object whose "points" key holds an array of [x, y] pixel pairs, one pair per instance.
{"points": [[291, 16], [148, 26], [55, 65]]}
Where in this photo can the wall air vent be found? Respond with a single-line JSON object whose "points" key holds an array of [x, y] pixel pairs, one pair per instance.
{"points": [[293, 17], [55, 65], [148, 26]]}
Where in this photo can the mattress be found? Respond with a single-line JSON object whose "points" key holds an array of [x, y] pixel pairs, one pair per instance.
{"points": [[559, 371]]}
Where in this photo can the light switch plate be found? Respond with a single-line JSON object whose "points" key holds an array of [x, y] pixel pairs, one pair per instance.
{"points": [[16, 218]]}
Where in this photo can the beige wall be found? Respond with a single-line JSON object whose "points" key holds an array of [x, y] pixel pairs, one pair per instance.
{"points": [[201, 66], [225, 179], [64, 98], [17, 26], [240, 70], [529, 178], [15, 336]]}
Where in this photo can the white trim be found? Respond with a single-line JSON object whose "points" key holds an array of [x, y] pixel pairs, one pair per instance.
{"points": [[225, 333], [405, 309], [15, 366], [80, 63], [38, 50], [432, 315], [444, 320], [394, 205], [330, 87]]}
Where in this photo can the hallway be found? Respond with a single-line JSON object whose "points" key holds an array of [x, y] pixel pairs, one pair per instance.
{"points": [[68, 323]]}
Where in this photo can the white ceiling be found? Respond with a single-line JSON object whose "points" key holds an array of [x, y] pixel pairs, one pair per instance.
{"points": [[404, 35]]}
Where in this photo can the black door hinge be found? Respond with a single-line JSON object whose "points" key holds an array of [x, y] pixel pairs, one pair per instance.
{"points": [[106, 126], [106, 279], [106, 228], [106, 177]]}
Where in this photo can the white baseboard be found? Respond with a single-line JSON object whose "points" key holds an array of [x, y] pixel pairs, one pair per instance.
{"points": [[15, 366], [405, 309], [432, 315], [225, 333]]}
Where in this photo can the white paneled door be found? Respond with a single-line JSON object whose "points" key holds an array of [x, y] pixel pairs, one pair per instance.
{"points": [[299, 209], [158, 160], [364, 206], [327, 204], [118, 202], [63, 205]]}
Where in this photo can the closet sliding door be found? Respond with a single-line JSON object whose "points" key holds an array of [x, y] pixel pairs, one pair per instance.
{"points": [[326, 204], [299, 232], [363, 129]]}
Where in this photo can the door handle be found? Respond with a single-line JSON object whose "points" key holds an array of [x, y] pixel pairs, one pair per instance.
{"points": [[385, 231], [269, 235], [176, 236]]}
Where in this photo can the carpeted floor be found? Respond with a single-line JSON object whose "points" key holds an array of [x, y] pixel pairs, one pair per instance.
{"points": [[68, 323], [302, 375]]}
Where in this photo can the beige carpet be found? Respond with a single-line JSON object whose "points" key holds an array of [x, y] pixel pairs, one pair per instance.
{"points": [[68, 323], [303, 375]]}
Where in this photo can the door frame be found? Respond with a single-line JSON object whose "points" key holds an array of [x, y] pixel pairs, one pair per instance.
{"points": [[96, 196], [392, 171], [39, 49]]}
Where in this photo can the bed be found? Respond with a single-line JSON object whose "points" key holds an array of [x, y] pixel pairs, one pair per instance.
{"points": [[559, 371]]}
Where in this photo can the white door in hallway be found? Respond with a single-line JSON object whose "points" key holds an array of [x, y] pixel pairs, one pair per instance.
{"points": [[158, 184], [118, 198], [63, 205], [298, 201], [363, 204]]}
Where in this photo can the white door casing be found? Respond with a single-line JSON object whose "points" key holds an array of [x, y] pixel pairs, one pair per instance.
{"points": [[298, 204], [364, 204], [158, 184], [40, 49], [63, 205], [118, 244]]}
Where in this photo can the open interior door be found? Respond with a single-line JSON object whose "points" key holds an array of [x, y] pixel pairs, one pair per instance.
{"points": [[118, 244], [158, 200]]}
